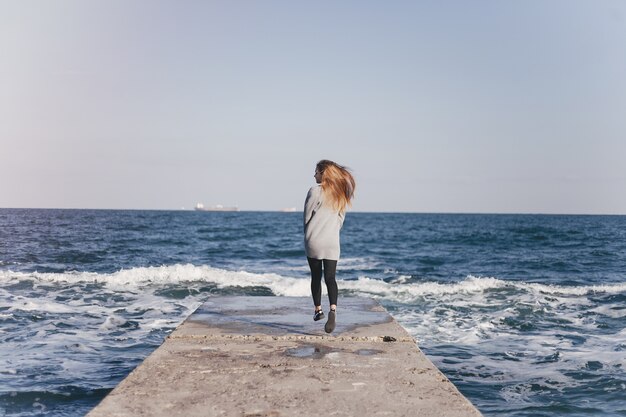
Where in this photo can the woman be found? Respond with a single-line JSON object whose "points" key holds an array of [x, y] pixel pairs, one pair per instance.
{"points": [[324, 211]]}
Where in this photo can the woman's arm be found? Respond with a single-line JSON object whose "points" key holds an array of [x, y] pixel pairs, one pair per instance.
{"points": [[311, 204]]}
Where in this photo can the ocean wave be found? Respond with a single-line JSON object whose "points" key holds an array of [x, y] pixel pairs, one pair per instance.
{"points": [[141, 277], [398, 290]]}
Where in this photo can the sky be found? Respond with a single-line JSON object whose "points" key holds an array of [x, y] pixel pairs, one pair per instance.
{"points": [[436, 106]]}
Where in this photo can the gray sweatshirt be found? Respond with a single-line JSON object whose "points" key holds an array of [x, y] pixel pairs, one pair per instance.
{"points": [[321, 226]]}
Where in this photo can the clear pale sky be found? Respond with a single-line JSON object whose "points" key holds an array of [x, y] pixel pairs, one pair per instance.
{"points": [[437, 106]]}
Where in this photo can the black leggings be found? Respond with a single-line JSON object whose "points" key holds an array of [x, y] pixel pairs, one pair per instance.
{"points": [[330, 267]]}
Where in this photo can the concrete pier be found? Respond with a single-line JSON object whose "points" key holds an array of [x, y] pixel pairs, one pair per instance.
{"points": [[264, 356]]}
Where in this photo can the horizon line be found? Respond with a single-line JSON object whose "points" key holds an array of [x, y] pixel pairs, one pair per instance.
{"points": [[300, 211]]}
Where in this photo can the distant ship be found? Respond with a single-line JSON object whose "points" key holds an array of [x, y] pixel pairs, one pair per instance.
{"points": [[219, 207]]}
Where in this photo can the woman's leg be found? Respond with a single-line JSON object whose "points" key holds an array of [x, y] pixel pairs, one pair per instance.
{"points": [[316, 281], [330, 268]]}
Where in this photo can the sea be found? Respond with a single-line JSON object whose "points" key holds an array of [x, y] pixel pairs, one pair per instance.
{"points": [[526, 314]]}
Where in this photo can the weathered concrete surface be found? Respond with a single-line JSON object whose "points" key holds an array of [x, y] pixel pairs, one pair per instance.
{"points": [[264, 356]]}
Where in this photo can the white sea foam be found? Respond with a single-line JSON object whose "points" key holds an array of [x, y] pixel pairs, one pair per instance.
{"points": [[128, 280], [20, 303], [112, 322], [358, 264], [616, 312]]}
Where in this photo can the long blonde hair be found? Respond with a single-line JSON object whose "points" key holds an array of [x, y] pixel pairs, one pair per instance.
{"points": [[337, 184]]}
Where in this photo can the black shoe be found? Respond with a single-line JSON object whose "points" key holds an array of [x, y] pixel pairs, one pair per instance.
{"points": [[330, 324], [318, 315]]}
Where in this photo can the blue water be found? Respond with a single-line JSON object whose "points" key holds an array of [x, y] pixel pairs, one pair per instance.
{"points": [[526, 314]]}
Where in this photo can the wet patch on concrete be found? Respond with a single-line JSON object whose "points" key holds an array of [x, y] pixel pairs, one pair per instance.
{"points": [[278, 316], [311, 351], [368, 352], [316, 351]]}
